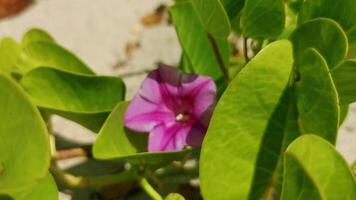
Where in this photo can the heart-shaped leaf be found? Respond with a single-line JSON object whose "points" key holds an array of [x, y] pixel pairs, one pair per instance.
{"points": [[317, 100], [213, 17], [43, 189], [263, 19], [116, 142], [325, 35], [196, 43], [36, 35], [48, 54], [345, 80], [82, 98], [342, 11], [314, 170], [240, 121], [233, 7], [9, 51], [24, 143]]}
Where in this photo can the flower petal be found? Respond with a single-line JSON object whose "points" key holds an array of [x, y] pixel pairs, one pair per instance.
{"points": [[175, 136], [150, 88], [162, 86], [170, 137], [196, 135], [143, 115], [203, 92]]}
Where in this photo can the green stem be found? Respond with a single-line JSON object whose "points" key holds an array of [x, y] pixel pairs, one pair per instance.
{"points": [[72, 181], [219, 58], [149, 189]]}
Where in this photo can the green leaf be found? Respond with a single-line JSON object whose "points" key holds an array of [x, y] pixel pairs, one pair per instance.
{"points": [[317, 98], [195, 41], [280, 130], [44, 54], [291, 19], [116, 142], [82, 98], [43, 189], [91, 121], [236, 132], [325, 35], [24, 143], [352, 43], [315, 170], [263, 19], [36, 35], [9, 51], [174, 196], [213, 17], [344, 110], [342, 11], [345, 80], [184, 64], [352, 36], [233, 7]]}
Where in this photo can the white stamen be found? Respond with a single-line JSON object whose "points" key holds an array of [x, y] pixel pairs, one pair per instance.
{"points": [[180, 117]]}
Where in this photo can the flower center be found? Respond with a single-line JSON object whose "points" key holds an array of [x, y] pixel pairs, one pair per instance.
{"points": [[183, 117]]}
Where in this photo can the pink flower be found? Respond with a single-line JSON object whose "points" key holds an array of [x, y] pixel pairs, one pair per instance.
{"points": [[175, 109]]}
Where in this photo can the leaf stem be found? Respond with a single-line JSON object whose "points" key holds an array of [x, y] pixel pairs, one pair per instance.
{"points": [[149, 189], [72, 181], [72, 153], [219, 58], [245, 49]]}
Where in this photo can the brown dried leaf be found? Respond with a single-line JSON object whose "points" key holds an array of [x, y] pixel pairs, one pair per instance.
{"points": [[10, 8], [154, 18]]}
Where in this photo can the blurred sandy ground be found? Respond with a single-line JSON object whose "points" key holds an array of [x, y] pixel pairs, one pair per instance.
{"points": [[99, 31]]}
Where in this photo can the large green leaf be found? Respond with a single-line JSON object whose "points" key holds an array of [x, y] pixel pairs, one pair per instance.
{"points": [[36, 35], [196, 43], [263, 19], [237, 129], [116, 142], [280, 130], [345, 80], [342, 11], [43, 189], [317, 98], [24, 143], [315, 171], [9, 51], [325, 35], [82, 98], [213, 17], [40, 54]]}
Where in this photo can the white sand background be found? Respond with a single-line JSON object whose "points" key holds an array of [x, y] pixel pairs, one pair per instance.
{"points": [[98, 31]]}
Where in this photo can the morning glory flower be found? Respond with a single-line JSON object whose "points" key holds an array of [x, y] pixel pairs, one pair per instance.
{"points": [[173, 107]]}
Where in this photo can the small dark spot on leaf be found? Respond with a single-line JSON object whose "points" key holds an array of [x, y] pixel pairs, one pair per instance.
{"points": [[297, 76]]}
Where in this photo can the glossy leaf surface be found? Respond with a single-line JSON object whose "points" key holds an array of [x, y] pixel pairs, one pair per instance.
{"points": [[196, 43], [314, 170], [24, 143], [317, 99], [263, 19], [325, 35], [239, 122]]}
